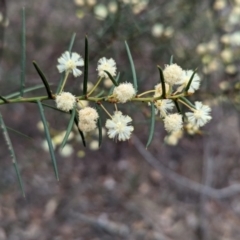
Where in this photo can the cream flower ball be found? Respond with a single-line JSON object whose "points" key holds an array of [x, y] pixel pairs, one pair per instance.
{"points": [[173, 122], [69, 62], [185, 78], [108, 65], [200, 115], [164, 106], [119, 126], [87, 119], [124, 92], [172, 74], [65, 101]]}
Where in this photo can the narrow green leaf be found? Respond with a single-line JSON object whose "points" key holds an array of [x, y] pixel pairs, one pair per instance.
{"points": [[17, 132], [187, 102], [151, 132], [23, 53], [44, 79], [63, 74], [19, 178], [112, 88], [190, 81], [132, 67], [80, 132], [111, 78], [99, 125], [16, 94], [69, 128], [71, 42], [60, 83], [49, 140], [179, 109], [4, 99], [100, 94], [85, 80], [13, 156], [118, 77], [162, 82], [52, 107], [177, 106], [171, 60]]}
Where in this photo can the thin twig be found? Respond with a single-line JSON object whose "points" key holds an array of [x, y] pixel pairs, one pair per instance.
{"points": [[183, 181], [207, 180]]}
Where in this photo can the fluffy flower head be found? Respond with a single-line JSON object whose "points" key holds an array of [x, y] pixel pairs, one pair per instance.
{"points": [[199, 116], [88, 114], [119, 127], [69, 62], [173, 122], [191, 129], [108, 65], [195, 84], [172, 74], [65, 101], [124, 92], [87, 119], [164, 106], [173, 138]]}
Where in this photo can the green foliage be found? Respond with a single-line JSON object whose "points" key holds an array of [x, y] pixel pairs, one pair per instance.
{"points": [[12, 153], [48, 138]]}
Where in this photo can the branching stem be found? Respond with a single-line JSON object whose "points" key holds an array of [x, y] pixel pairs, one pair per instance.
{"points": [[150, 91], [93, 89], [106, 111], [64, 81]]}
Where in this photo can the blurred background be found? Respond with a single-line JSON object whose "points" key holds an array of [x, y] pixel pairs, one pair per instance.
{"points": [[176, 190]]}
